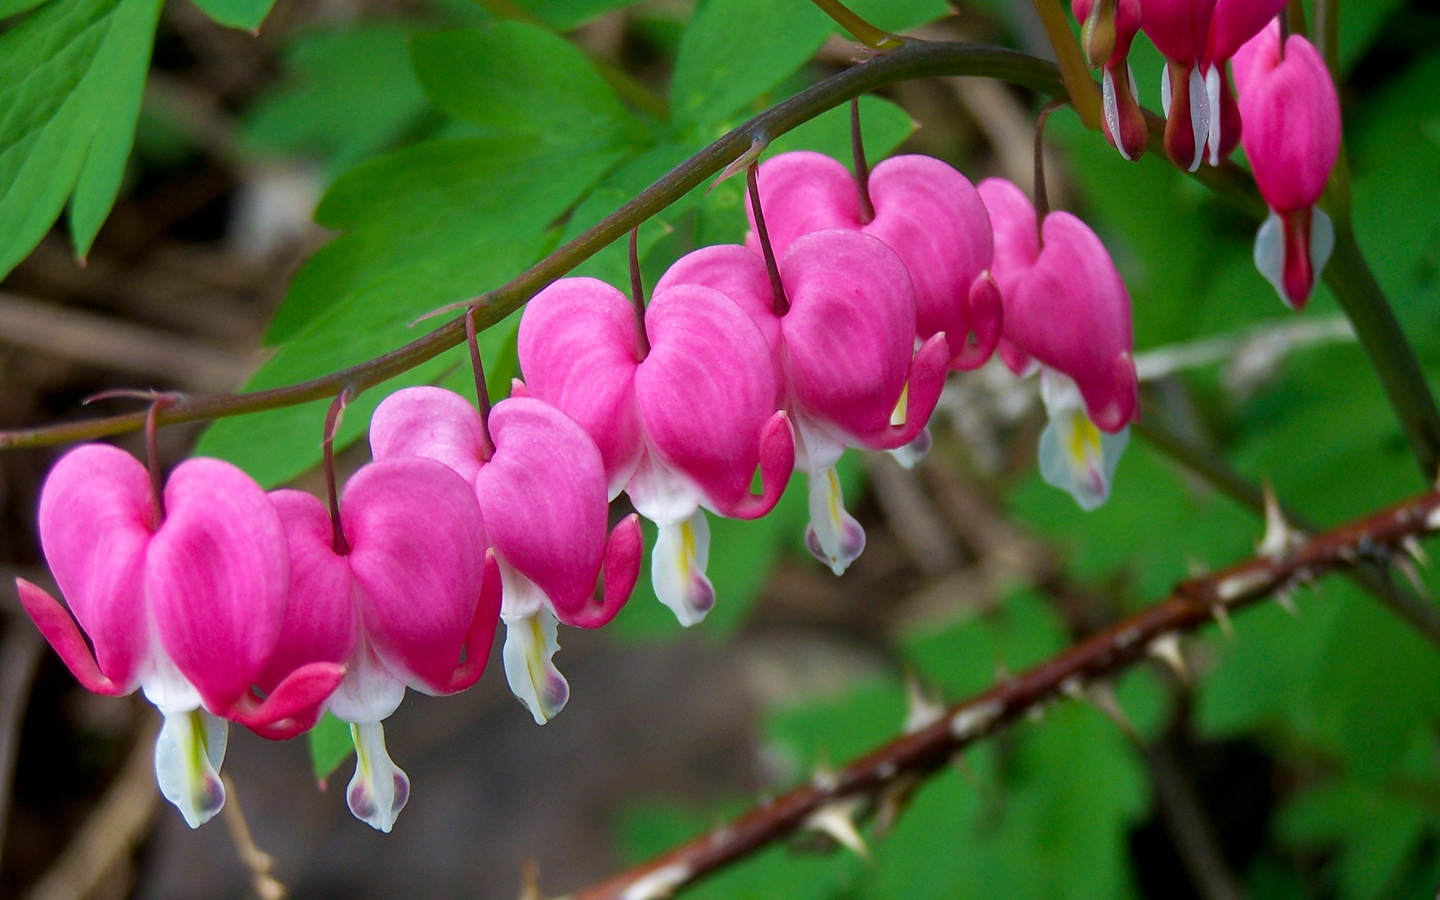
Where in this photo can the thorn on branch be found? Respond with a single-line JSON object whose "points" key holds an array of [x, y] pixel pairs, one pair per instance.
{"points": [[837, 821]]}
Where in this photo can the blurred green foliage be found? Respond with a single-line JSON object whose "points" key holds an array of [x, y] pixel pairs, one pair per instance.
{"points": [[461, 148]]}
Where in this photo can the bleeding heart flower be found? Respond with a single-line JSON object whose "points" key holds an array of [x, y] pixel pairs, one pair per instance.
{"points": [[680, 426], [545, 508], [1198, 37], [845, 345], [407, 592], [1292, 138], [185, 601], [1068, 311], [1109, 29], [925, 211]]}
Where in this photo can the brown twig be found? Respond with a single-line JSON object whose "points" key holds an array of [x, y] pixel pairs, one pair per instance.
{"points": [[259, 862], [926, 750]]}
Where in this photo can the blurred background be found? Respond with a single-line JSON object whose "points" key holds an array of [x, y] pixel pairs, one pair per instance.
{"points": [[1298, 761]]}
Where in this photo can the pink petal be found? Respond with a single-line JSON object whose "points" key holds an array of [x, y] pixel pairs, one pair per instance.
{"points": [[934, 219], [1291, 116], [1237, 21], [544, 499], [850, 331], [622, 569], [738, 274], [985, 309], [95, 525], [1017, 238], [801, 192], [295, 705], [481, 635], [1073, 314], [430, 422], [925, 381], [1179, 29], [217, 574], [706, 390], [417, 548], [578, 350], [321, 622], [59, 629]]}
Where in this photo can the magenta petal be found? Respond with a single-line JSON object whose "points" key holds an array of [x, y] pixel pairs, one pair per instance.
{"points": [[544, 499], [706, 390], [95, 525], [295, 705], [1291, 116], [321, 622], [430, 422], [1017, 238], [850, 331], [801, 192], [622, 569], [1180, 29], [934, 219], [777, 464], [578, 350], [481, 635], [59, 629], [417, 548], [985, 310], [217, 574], [1073, 314], [738, 274], [1237, 21], [925, 381]]}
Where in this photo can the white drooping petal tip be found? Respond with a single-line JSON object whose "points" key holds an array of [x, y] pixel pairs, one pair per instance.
{"points": [[531, 640], [1079, 458], [188, 755], [379, 789], [833, 536], [677, 568]]}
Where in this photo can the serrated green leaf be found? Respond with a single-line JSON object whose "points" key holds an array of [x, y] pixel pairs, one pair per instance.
{"points": [[71, 76], [518, 79], [348, 95], [330, 745], [426, 226]]}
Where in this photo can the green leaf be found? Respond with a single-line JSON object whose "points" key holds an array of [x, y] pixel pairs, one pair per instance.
{"points": [[330, 745], [567, 15], [10, 8], [426, 226], [71, 76], [514, 78], [736, 50], [243, 14], [1377, 833], [348, 95]]}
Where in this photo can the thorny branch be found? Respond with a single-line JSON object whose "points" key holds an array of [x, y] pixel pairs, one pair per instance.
{"points": [[1287, 561]]}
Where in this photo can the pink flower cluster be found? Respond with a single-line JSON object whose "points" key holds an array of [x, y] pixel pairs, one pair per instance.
{"points": [[835, 327], [1287, 115]]}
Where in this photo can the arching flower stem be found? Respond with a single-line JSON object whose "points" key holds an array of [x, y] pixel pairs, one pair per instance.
{"points": [[1042, 196], [332, 424], [637, 294], [482, 392], [777, 289], [862, 168]]}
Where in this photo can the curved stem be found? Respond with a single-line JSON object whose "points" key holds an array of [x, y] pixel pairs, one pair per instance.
{"points": [[914, 60], [1084, 93], [482, 390], [772, 266], [637, 294], [862, 166], [332, 494], [1042, 196], [864, 32]]}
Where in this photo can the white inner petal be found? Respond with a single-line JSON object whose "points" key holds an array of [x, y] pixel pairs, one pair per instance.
{"points": [[1079, 458], [370, 691], [1212, 97], [188, 755], [1199, 116], [1112, 112], [530, 644], [1270, 254], [833, 537], [1322, 240], [379, 789], [661, 494], [677, 568]]}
